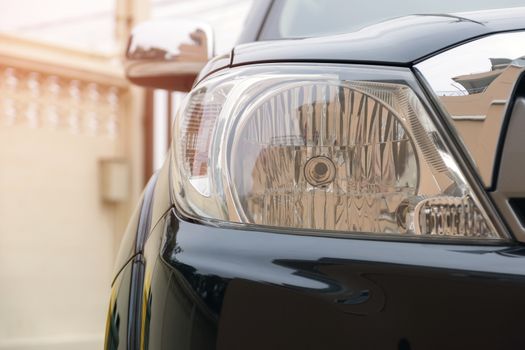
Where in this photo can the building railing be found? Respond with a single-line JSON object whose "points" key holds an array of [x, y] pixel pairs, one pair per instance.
{"points": [[59, 88]]}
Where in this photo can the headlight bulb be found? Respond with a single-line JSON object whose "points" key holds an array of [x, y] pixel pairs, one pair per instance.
{"points": [[319, 171]]}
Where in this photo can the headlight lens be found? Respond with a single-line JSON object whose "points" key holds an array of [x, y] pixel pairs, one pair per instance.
{"points": [[327, 148]]}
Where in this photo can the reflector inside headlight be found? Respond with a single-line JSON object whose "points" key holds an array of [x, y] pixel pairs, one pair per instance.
{"points": [[330, 148]]}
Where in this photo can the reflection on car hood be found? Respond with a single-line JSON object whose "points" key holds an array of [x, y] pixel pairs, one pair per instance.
{"points": [[400, 41]]}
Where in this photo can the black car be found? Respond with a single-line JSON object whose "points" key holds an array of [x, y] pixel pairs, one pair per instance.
{"points": [[362, 190]]}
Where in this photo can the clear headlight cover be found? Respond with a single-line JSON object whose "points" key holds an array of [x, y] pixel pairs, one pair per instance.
{"points": [[326, 148]]}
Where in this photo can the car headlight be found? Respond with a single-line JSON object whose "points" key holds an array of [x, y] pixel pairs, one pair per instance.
{"points": [[325, 148]]}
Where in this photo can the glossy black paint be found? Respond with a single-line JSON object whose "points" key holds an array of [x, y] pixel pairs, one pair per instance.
{"points": [[233, 289], [135, 302], [401, 41], [192, 286], [144, 224], [117, 321], [138, 227], [509, 192], [124, 322]]}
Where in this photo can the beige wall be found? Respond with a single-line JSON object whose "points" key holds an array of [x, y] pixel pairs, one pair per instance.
{"points": [[58, 237]]}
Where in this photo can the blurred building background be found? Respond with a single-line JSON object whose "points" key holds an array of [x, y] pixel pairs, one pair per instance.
{"points": [[77, 144]]}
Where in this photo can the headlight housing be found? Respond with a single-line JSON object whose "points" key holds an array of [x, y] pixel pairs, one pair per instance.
{"points": [[327, 148]]}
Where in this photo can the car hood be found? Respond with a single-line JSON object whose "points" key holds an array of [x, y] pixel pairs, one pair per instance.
{"points": [[401, 41]]}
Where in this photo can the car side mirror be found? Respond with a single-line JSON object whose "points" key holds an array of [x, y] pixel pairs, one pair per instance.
{"points": [[168, 54]]}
